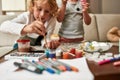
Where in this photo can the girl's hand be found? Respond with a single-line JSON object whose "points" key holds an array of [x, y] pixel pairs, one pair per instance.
{"points": [[35, 27], [52, 44], [85, 6]]}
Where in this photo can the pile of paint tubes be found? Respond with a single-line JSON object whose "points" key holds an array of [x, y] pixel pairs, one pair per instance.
{"points": [[53, 53], [59, 54]]}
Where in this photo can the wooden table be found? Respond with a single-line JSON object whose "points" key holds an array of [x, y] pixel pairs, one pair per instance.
{"points": [[106, 71], [103, 72]]}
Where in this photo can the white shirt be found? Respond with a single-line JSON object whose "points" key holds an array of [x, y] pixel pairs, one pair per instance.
{"points": [[72, 25]]}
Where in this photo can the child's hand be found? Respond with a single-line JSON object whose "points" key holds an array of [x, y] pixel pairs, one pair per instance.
{"points": [[35, 27], [52, 44], [85, 6]]}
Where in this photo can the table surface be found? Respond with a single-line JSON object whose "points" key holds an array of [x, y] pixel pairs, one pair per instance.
{"points": [[106, 71], [101, 72]]}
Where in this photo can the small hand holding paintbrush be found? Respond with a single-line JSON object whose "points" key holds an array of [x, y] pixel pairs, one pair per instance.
{"points": [[44, 34]]}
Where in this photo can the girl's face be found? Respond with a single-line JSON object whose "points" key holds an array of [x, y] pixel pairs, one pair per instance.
{"points": [[41, 11]]}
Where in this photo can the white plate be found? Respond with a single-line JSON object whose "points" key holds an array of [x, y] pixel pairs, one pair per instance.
{"points": [[96, 46]]}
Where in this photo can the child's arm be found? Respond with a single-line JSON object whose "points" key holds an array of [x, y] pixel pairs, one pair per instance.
{"points": [[61, 11], [86, 17]]}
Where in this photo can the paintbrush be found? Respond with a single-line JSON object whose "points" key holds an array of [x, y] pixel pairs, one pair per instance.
{"points": [[44, 35]]}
